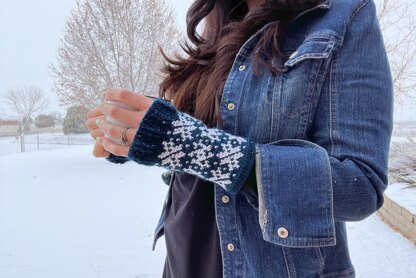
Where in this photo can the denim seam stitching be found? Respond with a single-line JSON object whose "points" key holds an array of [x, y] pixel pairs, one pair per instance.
{"points": [[337, 273], [333, 105], [291, 270], [223, 255], [262, 208], [239, 100], [321, 261], [238, 235], [267, 89], [276, 105], [331, 195], [354, 12], [265, 193], [323, 36], [273, 106], [309, 94]]}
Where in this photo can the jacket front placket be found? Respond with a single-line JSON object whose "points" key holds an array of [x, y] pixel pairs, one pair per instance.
{"points": [[232, 255]]}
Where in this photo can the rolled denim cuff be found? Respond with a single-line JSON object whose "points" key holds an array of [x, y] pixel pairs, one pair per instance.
{"points": [[295, 194]]}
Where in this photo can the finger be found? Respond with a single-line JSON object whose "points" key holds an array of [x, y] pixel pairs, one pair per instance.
{"points": [[91, 123], [136, 100], [99, 151], [94, 113], [115, 131], [96, 133], [129, 117], [114, 148]]}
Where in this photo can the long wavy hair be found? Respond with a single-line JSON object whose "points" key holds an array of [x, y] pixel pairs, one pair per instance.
{"points": [[195, 83]]}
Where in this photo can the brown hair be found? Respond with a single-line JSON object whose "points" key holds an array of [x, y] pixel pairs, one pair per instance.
{"points": [[194, 84]]}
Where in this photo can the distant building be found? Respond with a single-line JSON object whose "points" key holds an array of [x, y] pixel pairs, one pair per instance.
{"points": [[9, 122]]}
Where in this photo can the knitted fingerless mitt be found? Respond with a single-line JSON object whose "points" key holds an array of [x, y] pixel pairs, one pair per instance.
{"points": [[176, 141]]}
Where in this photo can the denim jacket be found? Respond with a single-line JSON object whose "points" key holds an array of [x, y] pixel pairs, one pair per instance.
{"points": [[322, 130]]}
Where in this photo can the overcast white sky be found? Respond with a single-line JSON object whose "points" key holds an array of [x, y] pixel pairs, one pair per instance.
{"points": [[30, 32], [29, 39]]}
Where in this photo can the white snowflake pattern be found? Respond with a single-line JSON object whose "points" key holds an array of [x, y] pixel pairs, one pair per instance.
{"points": [[172, 154], [184, 127], [212, 148], [201, 154], [211, 134], [192, 172], [232, 161], [220, 177]]}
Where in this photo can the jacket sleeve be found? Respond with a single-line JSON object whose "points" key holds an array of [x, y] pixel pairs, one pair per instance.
{"points": [[340, 174]]}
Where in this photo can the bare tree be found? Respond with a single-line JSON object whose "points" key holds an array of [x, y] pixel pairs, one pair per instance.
{"points": [[398, 25], [25, 103], [112, 43]]}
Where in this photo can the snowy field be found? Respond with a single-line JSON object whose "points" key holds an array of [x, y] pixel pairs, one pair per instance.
{"points": [[64, 213], [47, 141]]}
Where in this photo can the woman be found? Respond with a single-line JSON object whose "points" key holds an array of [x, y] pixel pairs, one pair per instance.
{"points": [[277, 133]]}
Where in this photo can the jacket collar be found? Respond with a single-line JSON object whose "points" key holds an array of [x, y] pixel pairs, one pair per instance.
{"points": [[325, 5]]}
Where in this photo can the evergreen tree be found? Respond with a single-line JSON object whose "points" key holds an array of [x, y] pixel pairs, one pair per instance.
{"points": [[42, 121], [74, 121]]}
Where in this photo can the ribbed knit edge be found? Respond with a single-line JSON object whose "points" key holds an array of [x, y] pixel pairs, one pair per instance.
{"points": [[246, 165], [152, 131], [117, 159]]}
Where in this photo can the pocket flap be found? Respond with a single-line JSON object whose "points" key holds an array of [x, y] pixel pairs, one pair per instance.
{"points": [[310, 49]]}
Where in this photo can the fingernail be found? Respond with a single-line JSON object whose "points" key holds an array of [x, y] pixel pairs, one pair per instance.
{"points": [[98, 139], [98, 121], [103, 91]]}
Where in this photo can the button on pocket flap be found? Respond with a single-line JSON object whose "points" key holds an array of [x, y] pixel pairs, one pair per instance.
{"points": [[310, 49]]}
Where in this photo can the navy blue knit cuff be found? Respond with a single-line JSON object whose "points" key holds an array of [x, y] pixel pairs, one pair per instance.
{"points": [[152, 132], [117, 159], [175, 140]]}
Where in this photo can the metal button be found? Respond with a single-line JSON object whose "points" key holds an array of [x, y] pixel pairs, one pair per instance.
{"points": [[230, 106], [293, 55], [230, 247], [282, 232], [242, 67], [225, 199]]}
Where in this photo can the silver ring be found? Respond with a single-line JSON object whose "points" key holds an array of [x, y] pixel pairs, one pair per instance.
{"points": [[123, 140]]}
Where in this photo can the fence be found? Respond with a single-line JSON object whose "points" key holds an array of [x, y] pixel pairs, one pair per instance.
{"points": [[38, 141]]}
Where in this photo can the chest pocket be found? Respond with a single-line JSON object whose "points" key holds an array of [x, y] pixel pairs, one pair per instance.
{"points": [[296, 91], [311, 49]]}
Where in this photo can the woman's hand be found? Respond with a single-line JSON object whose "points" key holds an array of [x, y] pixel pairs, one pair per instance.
{"points": [[132, 118], [92, 117]]}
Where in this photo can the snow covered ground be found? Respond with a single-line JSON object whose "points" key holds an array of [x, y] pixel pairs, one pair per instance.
{"points": [[404, 195], [377, 251], [64, 213]]}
